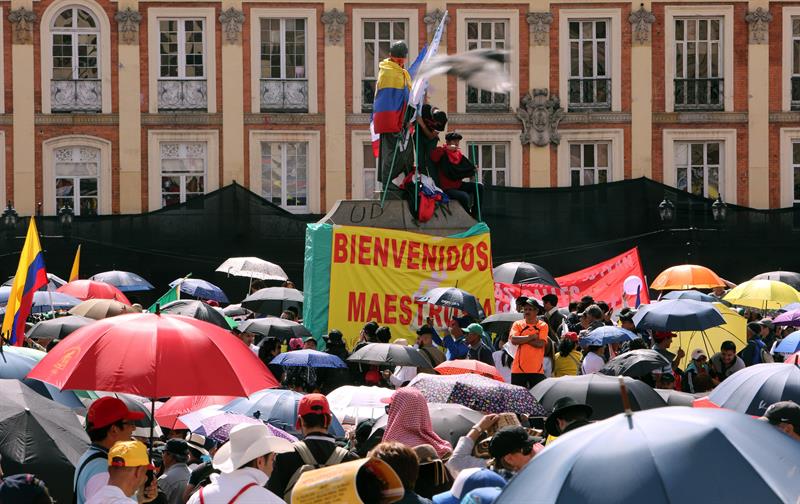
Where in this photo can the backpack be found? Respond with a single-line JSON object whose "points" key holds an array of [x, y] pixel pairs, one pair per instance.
{"points": [[309, 464]]}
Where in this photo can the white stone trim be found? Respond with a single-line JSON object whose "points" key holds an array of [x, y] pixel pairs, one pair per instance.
{"points": [[358, 17], [729, 161], [104, 188], [786, 180], [313, 176], [616, 137], [155, 137], [615, 40], [46, 53], [3, 189], [511, 137], [310, 16], [210, 56], [786, 55], [357, 139], [512, 16], [673, 11]]}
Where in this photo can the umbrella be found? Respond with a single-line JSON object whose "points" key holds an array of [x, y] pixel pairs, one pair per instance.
{"points": [[53, 282], [762, 294], [197, 310], [599, 391], [58, 327], [478, 393], [687, 276], [677, 315], [167, 415], [40, 437], [790, 307], [308, 358], [236, 311], [273, 300], [449, 421], [454, 298], [352, 404], [787, 277], [218, 427], [753, 389], [523, 273], [789, 344], [200, 289], [125, 281], [636, 364], [607, 335], [17, 362], [44, 301], [252, 267], [101, 308], [728, 457], [133, 402], [500, 322], [89, 289], [468, 366], [274, 327], [677, 398], [734, 329], [277, 407], [690, 294], [789, 318], [389, 354], [792, 359]]}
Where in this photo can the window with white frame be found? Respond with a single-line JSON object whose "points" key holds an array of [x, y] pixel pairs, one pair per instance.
{"points": [[486, 34], [284, 84], [369, 173], [699, 167], [589, 163], [75, 84], [492, 160], [795, 63], [699, 78], [284, 174], [589, 77], [182, 77], [378, 35], [183, 171], [77, 177]]}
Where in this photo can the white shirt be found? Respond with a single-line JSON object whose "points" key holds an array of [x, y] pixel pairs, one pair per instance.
{"points": [[110, 494], [592, 363], [224, 487], [504, 371], [401, 375]]}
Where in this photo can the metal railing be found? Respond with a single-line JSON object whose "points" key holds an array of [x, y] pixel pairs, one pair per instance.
{"points": [[589, 93], [699, 94], [182, 94], [284, 95], [75, 95]]}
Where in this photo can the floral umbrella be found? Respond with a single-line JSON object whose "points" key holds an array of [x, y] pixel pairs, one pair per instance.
{"points": [[218, 427]]}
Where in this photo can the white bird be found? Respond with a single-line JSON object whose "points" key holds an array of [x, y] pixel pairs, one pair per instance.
{"points": [[481, 69]]}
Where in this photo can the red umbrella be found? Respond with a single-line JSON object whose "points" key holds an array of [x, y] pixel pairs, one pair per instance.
{"points": [[704, 402], [468, 366], [89, 289], [167, 415], [792, 359]]}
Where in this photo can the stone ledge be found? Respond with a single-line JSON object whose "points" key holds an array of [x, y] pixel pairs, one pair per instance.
{"points": [[287, 118], [699, 117], [596, 117], [72, 119]]}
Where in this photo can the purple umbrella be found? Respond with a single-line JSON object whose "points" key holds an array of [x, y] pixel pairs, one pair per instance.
{"points": [[790, 318], [219, 427]]}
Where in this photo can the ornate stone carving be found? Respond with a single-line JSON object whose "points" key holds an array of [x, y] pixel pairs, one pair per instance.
{"points": [[540, 27], [641, 24], [540, 116], [128, 21], [175, 94], [22, 21], [334, 21], [232, 21], [433, 18], [758, 21]]}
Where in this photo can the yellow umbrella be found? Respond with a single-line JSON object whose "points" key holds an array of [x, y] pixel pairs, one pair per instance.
{"points": [[763, 294], [734, 329]]}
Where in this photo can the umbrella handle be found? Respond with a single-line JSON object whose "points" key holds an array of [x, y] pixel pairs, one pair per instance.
{"points": [[626, 402]]}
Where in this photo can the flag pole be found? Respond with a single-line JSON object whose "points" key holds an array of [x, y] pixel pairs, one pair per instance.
{"points": [[474, 155], [416, 180]]}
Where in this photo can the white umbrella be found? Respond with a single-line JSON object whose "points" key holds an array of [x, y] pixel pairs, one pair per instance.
{"points": [[352, 404], [252, 267]]}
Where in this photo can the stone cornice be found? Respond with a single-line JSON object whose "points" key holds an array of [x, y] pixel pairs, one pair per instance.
{"points": [[596, 117], [75, 119], [273, 118], [181, 118], [699, 117]]}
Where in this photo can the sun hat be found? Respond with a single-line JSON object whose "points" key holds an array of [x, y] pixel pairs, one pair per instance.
{"points": [[248, 442]]}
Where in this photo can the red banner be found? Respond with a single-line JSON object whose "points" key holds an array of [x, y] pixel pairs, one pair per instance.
{"points": [[615, 281]]}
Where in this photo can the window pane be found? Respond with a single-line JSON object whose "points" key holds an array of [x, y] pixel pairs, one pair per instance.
{"points": [[713, 153], [681, 154], [65, 187], [588, 177], [697, 180], [574, 30], [64, 20], [796, 153], [797, 183], [85, 20], [697, 154], [713, 182], [588, 155], [602, 155], [88, 187], [588, 31], [678, 29], [681, 176], [575, 155], [600, 26]]}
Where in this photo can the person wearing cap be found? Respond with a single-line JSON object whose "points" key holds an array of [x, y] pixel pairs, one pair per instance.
{"points": [[405, 463], [626, 320], [203, 449], [592, 318], [696, 375], [756, 350], [128, 465], [426, 347], [245, 463], [568, 415], [335, 345], [785, 415], [310, 343], [313, 420], [454, 340], [725, 362], [24, 489], [176, 470], [519, 304], [478, 350], [107, 421], [452, 167], [662, 340], [530, 334], [467, 481], [333, 378], [512, 447]]}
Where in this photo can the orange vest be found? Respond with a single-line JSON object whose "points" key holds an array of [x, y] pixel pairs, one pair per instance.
{"points": [[529, 359]]}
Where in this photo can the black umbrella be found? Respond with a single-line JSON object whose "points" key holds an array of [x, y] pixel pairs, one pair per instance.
{"points": [[788, 277], [59, 327], [39, 436], [636, 364], [454, 298], [273, 300], [599, 391], [677, 398], [678, 315], [274, 327], [500, 322], [236, 311], [390, 355], [196, 309], [753, 389], [524, 273]]}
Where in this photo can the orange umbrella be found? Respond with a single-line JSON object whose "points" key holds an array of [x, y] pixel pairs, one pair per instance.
{"points": [[687, 276], [468, 366]]}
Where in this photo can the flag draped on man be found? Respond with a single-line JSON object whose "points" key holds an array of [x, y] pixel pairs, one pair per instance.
{"points": [[30, 276], [76, 265]]}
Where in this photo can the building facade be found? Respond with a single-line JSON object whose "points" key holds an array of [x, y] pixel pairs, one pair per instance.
{"points": [[128, 106]]}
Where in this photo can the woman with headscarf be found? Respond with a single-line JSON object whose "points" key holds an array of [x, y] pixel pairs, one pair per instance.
{"points": [[409, 422]]}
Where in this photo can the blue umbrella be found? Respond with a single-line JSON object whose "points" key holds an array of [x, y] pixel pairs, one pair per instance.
{"points": [[277, 407], [672, 452], [200, 289], [789, 344], [606, 335], [16, 364], [44, 301], [690, 294], [678, 315], [308, 358], [53, 282], [753, 389], [123, 280]]}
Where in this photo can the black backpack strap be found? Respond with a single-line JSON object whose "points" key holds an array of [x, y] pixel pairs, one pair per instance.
{"points": [[94, 456]]}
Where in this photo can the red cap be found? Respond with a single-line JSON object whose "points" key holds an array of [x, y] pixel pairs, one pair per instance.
{"points": [[312, 404], [572, 336], [662, 335], [108, 410]]}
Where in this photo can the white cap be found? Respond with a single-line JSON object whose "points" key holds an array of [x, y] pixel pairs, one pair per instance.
{"points": [[699, 352], [248, 442]]}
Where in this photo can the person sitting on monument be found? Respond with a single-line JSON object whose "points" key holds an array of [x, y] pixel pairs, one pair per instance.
{"points": [[431, 122], [452, 167]]}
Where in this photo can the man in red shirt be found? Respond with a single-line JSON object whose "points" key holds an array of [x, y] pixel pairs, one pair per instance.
{"points": [[530, 334], [452, 167]]}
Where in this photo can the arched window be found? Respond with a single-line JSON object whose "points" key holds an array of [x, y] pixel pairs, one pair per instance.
{"points": [[77, 178], [75, 82]]}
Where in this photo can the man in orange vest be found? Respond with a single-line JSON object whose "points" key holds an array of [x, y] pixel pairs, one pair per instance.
{"points": [[530, 334]]}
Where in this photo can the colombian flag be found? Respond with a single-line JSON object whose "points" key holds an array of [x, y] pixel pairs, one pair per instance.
{"points": [[30, 276], [391, 97]]}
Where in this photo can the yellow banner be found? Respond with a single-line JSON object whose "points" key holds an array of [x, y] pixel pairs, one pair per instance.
{"points": [[376, 274]]}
